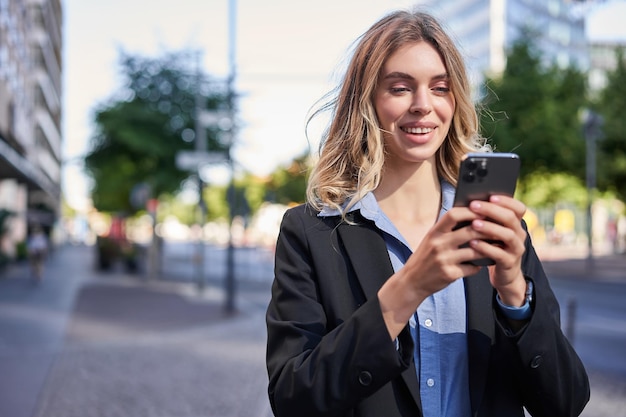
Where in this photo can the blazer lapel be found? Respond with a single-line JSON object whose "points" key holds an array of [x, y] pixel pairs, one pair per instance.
{"points": [[480, 332], [367, 251]]}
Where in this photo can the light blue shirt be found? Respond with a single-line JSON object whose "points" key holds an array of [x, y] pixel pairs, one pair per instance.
{"points": [[438, 326]]}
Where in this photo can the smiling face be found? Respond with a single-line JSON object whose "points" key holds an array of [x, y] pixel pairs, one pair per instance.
{"points": [[414, 104]]}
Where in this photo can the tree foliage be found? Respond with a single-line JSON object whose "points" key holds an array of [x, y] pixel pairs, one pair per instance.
{"points": [[139, 133], [288, 185], [541, 189], [533, 110], [612, 144]]}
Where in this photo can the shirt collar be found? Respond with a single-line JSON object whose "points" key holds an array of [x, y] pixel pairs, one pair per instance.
{"points": [[370, 210]]}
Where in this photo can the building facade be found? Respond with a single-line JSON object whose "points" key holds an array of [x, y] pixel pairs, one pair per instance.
{"points": [[485, 29], [30, 114], [603, 56]]}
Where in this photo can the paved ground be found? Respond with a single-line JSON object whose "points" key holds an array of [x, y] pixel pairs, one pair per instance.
{"points": [[156, 354], [114, 345], [129, 347]]}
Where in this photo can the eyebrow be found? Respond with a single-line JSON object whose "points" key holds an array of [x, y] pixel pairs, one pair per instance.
{"points": [[405, 76]]}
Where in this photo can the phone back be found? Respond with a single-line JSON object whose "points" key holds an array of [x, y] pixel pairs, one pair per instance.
{"points": [[484, 174]]}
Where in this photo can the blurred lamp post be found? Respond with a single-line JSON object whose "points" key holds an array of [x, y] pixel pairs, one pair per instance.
{"points": [[201, 147], [230, 258], [592, 130], [226, 121]]}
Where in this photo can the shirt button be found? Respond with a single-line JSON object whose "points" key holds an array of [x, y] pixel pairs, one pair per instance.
{"points": [[430, 382], [428, 322]]}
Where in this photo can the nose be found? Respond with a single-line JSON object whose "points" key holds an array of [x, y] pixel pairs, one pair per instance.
{"points": [[421, 103]]}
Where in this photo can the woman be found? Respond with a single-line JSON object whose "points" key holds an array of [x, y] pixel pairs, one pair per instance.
{"points": [[375, 310]]}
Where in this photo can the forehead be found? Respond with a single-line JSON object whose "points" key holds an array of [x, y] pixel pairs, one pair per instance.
{"points": [[418, 56]]}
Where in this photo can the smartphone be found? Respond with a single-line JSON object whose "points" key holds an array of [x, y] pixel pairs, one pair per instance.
{"points": [[482, 175]]}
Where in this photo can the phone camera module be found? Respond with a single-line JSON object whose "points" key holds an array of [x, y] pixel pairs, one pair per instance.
{"points": [[469, 176]]}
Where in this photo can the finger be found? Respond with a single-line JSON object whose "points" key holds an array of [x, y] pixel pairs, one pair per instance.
{"points": [[512, 238], [499, 205], [511, 203], [454, 217], [459, 261], [496, 213], [474, 229], [503, 245], [493, 251], [470, 254]]}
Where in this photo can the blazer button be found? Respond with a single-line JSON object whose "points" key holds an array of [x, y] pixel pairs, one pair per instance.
{"points": [[365, 378], [536, 362]]}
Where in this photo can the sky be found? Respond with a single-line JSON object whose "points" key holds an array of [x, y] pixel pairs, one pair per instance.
{"points": [[288, 54]]}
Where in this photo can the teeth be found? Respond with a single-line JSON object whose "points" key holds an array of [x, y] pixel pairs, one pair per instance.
{"points": [[417, 130]]}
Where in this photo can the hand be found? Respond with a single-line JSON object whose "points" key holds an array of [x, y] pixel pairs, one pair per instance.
{"points": [[442, 255], [500, 219], [438, 261], [441, 258]]}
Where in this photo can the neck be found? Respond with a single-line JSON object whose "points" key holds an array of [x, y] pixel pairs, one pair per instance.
{"points": [[412, 193]]}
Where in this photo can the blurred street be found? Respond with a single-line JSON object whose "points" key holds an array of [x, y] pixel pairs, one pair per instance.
{"points": [[88, 343]]}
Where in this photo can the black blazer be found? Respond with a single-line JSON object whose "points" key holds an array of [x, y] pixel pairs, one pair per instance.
{"points": [[329, 352]]}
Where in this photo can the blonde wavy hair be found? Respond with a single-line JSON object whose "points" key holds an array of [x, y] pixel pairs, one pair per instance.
{"points": [[352, 148]]}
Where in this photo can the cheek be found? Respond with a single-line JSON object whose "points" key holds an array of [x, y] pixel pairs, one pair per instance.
{"points": [[450, 108], [388, 112]]}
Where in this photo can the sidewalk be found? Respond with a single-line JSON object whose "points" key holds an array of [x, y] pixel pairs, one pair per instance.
{"points": [[126, 346]]}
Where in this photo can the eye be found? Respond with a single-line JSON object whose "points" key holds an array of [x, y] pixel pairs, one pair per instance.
{"points": [[399, 89], [441, 87]]}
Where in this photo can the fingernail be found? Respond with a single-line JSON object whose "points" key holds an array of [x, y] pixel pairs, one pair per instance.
{"points": [[475, 205], [478, 224]]}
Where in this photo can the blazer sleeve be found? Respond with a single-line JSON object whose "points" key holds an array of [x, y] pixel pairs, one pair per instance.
{"points": [[318, 365], [553, 381]]}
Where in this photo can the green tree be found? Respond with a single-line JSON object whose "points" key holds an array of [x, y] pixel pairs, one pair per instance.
{"points": [[533, 110], [139, 131], [288, 185], [542, 189], [612, 144]]}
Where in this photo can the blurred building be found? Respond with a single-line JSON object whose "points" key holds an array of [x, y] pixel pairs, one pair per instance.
{"points": [[30, 111], [603, 57], [485, 29]]}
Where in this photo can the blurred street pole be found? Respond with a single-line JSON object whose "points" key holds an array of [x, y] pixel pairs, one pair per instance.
{"points": [[592, 129], [154, 250], [201, 147], [229, 305]]}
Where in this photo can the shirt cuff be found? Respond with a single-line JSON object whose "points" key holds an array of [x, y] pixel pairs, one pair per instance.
{"points": [[515, 313]]}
